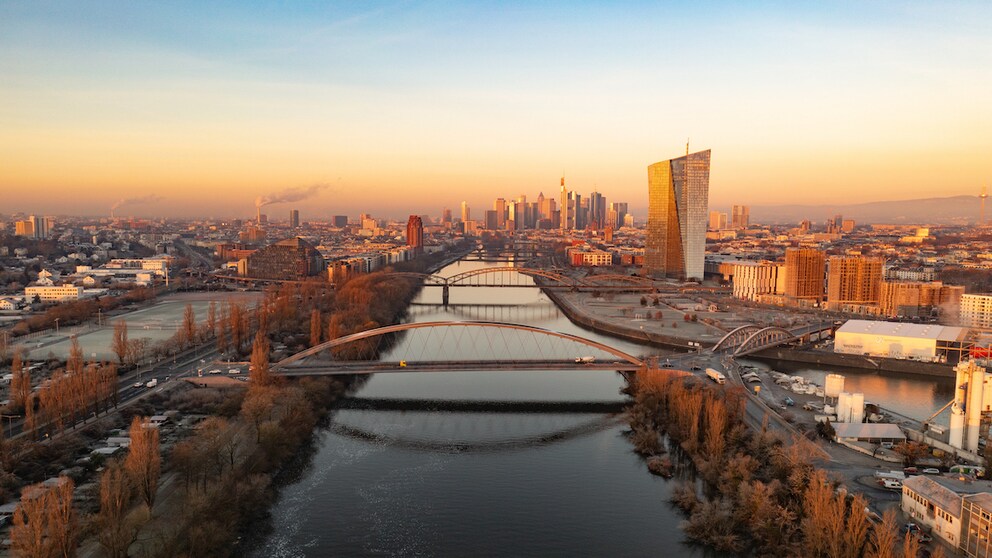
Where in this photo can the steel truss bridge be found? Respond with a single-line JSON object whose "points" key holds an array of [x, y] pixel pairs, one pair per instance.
{"points": [[456, 346], [750, 339]]}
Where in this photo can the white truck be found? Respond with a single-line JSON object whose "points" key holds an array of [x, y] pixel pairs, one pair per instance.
{"points": [[152, 383], [716, 376], [585, 360]]}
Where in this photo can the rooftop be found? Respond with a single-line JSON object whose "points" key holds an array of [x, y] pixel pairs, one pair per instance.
{"points": [[901, 329]]}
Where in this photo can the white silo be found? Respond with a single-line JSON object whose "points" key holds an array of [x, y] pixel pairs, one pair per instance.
{"points": [[857, 407], [844, 407], [833, 385]]}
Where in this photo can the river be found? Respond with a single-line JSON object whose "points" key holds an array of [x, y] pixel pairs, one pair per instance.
{"points": [[435, 483]]}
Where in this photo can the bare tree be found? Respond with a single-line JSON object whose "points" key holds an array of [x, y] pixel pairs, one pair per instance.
{"points": [[120, 344], [883, 537], [20, 383], [143, 461], [189, 327], [260, 376], [117, 529], [315, 322], [45, 523]]}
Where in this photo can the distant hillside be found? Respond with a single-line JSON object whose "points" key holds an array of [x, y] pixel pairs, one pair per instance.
{"points": [[955, 210]]}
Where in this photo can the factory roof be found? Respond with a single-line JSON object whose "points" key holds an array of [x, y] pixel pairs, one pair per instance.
{"points": [[862, 430], [900, 329]]}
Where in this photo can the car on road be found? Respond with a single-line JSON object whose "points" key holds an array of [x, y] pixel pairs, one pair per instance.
{"points": [[789, 402], [930, 471], [695, 368], [214, 371], [138, 384], [234, 371], [924, 538]]}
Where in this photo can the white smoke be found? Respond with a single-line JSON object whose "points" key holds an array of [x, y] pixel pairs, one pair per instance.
{"points": [[292, 194]]}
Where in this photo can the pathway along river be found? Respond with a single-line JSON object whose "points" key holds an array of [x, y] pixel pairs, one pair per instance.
{"points": [[431, 483]]}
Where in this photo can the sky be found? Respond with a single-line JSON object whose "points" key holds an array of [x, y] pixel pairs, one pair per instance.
{"points": [[199, 108]]}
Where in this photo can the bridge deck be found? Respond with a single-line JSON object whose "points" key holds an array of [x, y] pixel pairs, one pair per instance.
{"points": [[376, 367]]}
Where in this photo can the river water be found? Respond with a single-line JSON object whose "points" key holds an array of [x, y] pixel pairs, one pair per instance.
{"points": [[437, 483]]}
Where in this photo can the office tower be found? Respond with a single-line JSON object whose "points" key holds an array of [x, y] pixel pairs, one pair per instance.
{"points": [[621, 209], [500, 207], [804, 272], [611, 218], [542, 207], [565, 201], [263, 219], [579, 213], [718, 220], [492, 223], [466, 213], [445, 215], [415, 234], [740, 217], [294, 218], [853, 280], [597, 209], [340, 221], [678, 192], [847, 226], [24, 228]]}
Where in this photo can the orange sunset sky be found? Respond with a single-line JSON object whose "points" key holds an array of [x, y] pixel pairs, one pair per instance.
{"points": [[409, 107]]}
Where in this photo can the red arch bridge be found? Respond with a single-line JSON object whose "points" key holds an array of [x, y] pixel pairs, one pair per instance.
{"points": [[456, 346]]}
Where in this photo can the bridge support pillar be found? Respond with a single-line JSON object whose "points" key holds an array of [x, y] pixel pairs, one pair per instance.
{"points": [[444, 296]]}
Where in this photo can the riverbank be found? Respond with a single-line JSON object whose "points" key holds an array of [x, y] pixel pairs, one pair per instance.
{"points": [[662, 333], [901, 366]]}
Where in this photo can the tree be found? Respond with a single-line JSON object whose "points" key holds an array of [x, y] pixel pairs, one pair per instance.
{"points": [[260, 376], [20, 383], [143, 461], [45, 523], [911, 451], [189, 326], [315, 321], [883, 537], [120, 345], [117, 529]]}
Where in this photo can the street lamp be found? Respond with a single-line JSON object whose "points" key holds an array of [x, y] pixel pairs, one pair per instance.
{"points": [[56, 326]]}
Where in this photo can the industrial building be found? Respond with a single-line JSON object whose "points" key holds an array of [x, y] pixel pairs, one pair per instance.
{"points": [[924, 342]]}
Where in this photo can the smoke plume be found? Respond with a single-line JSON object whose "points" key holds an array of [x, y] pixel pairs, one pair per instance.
{"points": [[135, 201], [293, 194]]}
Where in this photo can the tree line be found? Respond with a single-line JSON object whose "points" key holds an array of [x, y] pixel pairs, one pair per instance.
{"points": [[761, 493]]}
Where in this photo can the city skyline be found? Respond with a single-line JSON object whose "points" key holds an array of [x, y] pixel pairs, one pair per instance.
{"points": [[229, 103]]}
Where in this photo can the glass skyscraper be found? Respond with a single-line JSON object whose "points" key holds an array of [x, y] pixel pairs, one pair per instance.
{"points": [[678, 195]]}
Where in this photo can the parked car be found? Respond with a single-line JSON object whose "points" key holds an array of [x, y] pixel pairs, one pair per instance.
{"points": [[789, 402], [930, 471], [910, 528], [924, 538]]}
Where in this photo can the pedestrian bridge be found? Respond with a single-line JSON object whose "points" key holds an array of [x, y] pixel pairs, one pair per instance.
{"points": [[455, 346]]}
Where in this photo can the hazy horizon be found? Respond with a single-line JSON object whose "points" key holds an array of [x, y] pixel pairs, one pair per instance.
{"points": [[408, 108]]}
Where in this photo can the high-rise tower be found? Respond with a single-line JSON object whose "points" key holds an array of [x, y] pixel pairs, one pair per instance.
{"points": [[466, 212], [983, 196], [678, 195], [563, 210]]}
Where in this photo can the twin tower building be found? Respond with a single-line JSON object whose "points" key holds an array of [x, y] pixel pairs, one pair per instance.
{"points": [[678, 192]]}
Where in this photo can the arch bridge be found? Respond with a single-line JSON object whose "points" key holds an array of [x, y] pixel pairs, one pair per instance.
{"points": [[455, 346], [750, 338]]}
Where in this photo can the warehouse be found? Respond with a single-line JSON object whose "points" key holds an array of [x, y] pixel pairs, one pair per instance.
{"points": [[925, 342]]}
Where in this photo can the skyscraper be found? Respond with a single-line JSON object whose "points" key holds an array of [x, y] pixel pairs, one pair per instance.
{"points": [[563, 210], [294, 218], [445, 215], [415, 234], [740, 217], [678, 193], [466, 213], [500, 207]]}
